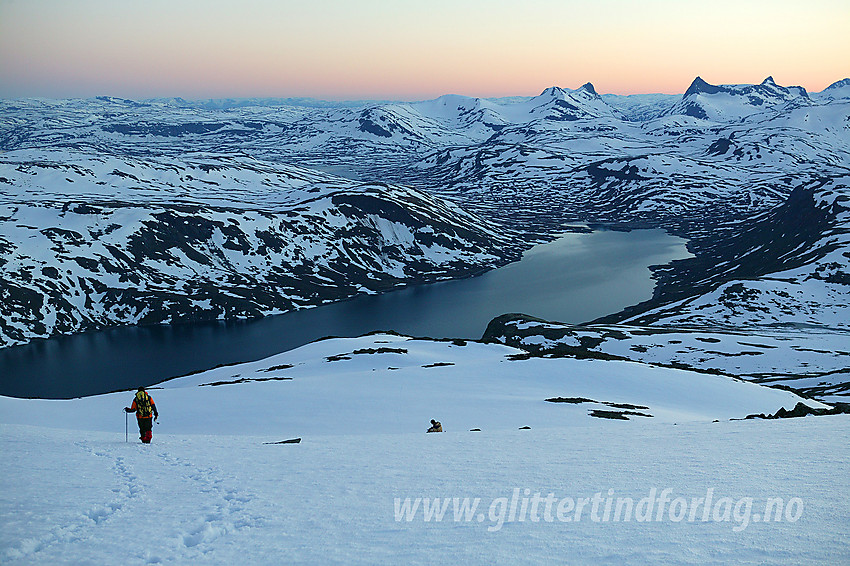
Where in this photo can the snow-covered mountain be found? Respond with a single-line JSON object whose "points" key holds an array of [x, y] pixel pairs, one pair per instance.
{"points": [[711, 164], [728, 103], [839, 90], [562, 155], [767, 301], [673, 169], [91, 240]]}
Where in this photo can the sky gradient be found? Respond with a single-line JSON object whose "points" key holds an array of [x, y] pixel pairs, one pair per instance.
{"points": [[412, 49]]}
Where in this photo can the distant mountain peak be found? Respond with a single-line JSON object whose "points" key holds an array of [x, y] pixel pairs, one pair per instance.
{"points": [[735, 101], [700, 86], [558, 92], [839, 84], [839, 90], [553, 91], [588, 87]]}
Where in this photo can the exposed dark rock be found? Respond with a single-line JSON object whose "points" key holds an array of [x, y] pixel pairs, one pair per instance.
{"points": [[381, 350], [245, 380], [280, 367], [617, 415], [803, 410]]}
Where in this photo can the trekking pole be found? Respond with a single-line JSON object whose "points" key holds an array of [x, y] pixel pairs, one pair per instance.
{"points": [[125, 427]]}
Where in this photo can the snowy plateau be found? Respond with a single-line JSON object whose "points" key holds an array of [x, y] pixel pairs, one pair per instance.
{"points": [[625, 439]]}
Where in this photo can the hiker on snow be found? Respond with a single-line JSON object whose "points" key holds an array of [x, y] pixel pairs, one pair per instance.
{"points": [[436, 426], [146, 412]]}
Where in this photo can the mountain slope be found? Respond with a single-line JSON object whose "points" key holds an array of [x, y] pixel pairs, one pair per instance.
{"points": [[164, 240], [389, 384], [728, 103], [765, 300], [531, 163], [788, 266], [812, 362]]}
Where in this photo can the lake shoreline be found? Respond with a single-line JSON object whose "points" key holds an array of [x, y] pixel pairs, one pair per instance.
{"points": [[564, 279]]}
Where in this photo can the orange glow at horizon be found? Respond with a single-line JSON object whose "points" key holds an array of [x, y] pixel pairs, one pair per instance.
{"points": [[383, 49]]}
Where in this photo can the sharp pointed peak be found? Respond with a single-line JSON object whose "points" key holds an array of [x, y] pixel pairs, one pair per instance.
{"points": [[700, 86]]}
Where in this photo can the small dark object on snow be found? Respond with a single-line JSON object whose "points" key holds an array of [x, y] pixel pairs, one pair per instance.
{"points": [[245, 380], [475, 430], [525, 428], [290, 441], [609, 415], [436, 426]]}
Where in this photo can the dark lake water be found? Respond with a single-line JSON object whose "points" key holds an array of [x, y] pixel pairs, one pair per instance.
{"points": [[576, 278]]}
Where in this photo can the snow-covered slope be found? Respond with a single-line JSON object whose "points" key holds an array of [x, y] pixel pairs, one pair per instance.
{"points": [[768, 300], [835, 91], [208, 490], [86, 497], [788, 266], [391, 384], [812, 361], [89, 240]]}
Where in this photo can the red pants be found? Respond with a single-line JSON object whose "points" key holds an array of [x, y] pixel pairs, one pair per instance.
{"points": [[145, 426]]}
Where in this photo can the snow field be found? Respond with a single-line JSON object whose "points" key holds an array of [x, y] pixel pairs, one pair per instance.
{"points": [[89, 498], [337, 386], [208, 490]]}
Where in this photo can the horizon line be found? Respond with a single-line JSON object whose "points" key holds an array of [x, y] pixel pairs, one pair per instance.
{"points": [[321, 98]]}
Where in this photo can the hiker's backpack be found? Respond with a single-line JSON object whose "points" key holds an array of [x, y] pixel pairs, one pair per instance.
{"points": [[143, 404]]}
